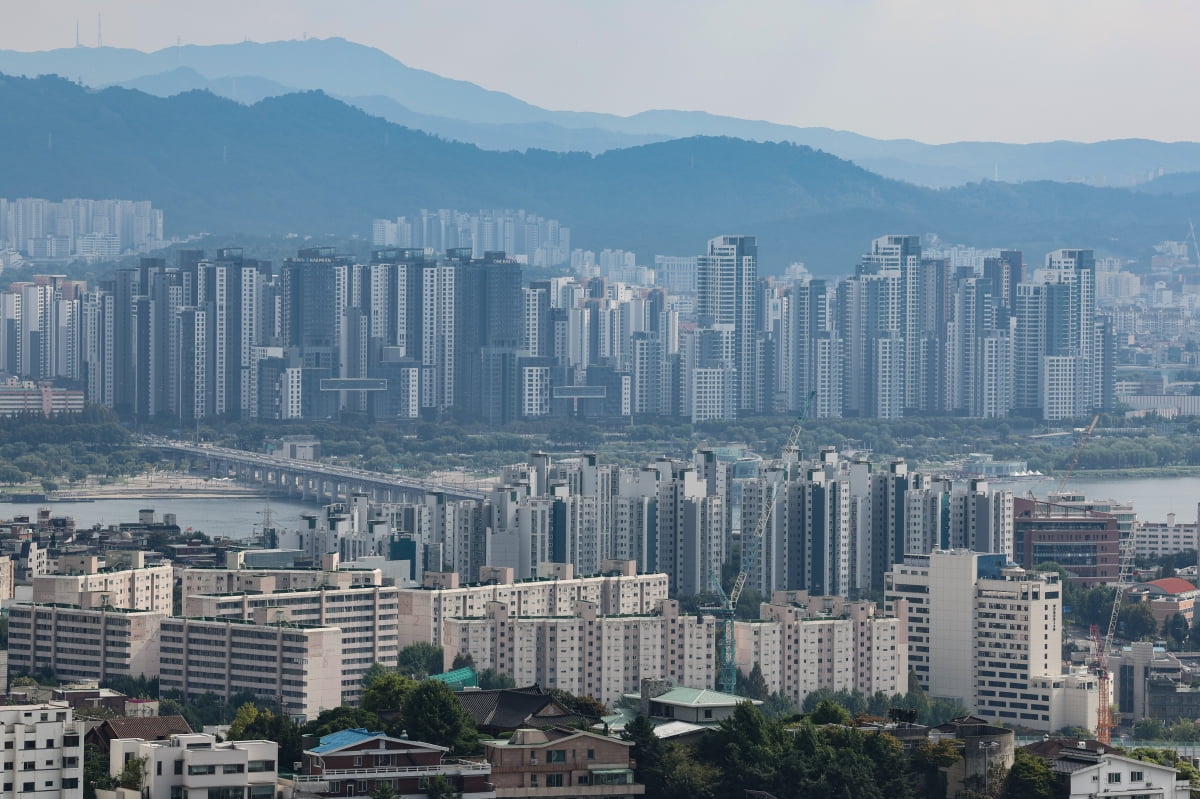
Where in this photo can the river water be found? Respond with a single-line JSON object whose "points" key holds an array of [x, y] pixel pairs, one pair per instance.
{"points": [[1152, 497], [239, 517]]}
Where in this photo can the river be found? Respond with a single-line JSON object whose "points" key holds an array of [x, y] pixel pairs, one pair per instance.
{"points": [[1152, 497], [238, 518]]}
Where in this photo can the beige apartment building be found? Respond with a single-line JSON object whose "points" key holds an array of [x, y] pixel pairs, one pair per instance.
{"points": [[366, 616], [298, 664], [221, 580], [83, 644], [555, 592], [124, 582], [804, 644], [586, 652]]}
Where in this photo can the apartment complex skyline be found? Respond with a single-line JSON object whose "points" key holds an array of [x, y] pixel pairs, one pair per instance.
{"points": [[41, 228], [417, 334]]}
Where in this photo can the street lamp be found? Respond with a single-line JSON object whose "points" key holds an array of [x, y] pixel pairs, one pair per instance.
{"points": [[986, 746]]}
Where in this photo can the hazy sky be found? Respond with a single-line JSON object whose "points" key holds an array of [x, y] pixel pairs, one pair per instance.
{"points": [[935, 70]]}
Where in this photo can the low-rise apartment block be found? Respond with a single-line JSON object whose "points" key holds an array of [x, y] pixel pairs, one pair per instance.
{"points": [[555, 592], [1155, 539], [366, 616], [222, 580], [83, 644], [195, 764], [124, 582], [588, 653], [803, 644], [297, 665], [43, 752]]}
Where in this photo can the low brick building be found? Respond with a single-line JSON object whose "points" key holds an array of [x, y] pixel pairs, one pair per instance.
{"points": [[561, 763]]}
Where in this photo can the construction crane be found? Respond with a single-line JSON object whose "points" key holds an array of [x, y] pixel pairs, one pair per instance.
{"points": [[1102, 641], [727, 610], [1087, 435], [1104, 720]]}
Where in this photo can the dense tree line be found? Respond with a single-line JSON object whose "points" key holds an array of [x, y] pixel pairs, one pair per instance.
{"points": [[68, 447]]}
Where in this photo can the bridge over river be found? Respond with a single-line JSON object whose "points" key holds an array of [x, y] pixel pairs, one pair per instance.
{"points": [[310, 480]]}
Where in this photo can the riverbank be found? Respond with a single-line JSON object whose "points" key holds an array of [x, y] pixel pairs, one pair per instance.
{"points": [[159, 485], [1135, 474]]}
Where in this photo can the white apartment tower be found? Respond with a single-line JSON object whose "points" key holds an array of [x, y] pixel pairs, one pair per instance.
{"points": [[989, 635], [726, 294]]}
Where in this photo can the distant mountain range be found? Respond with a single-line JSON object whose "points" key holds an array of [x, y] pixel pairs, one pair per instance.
{"points": [[374, 81], [308, 163]]}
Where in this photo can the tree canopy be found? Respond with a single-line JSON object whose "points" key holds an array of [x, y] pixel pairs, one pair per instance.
{"points": [[432, 713]]}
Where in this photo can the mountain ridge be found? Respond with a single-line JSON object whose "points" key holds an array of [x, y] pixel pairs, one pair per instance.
{"points": [[309, 163], [497, 120]]}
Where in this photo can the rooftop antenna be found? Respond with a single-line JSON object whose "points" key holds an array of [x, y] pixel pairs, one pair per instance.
{"points": [[99, 30], [77, 31]]}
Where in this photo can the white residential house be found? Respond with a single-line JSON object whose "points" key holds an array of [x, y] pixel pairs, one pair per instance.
{"points": [[196, 766]]}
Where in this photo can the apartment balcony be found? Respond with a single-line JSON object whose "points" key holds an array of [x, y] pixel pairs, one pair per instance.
{"points": [[571, 790], [448, 767]]}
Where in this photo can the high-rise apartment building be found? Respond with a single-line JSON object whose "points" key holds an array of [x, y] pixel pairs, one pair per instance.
{"points": [[726, 294]]}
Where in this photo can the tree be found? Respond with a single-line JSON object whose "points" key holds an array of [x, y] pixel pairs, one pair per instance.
{"points": [[246, 715], [341, 718], [1149, 730], [373, 672], [419, 660], [1175, 629], [387, 692], [647, 753], [462, 660], [587, 706], [133, 773], [687, 777], [829, 712], [1073, 732], [779, 706], [1137, 620], [95, 772], [1029, 777], [259, 724], [384, 790], [440, 787], [173, 707], [432, 713], [490, 679], [754, 686]]}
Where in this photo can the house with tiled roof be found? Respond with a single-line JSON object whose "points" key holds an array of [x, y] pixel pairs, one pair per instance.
{"points": [[694, 705], [147, 728], [358, 762], [507, 709]]}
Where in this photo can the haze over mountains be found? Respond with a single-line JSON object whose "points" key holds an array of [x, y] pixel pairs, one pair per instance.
{"points": [[374, 81], [307, 163]]}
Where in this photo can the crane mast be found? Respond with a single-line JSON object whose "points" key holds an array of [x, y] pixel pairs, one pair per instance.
{"points": [[727, 651]]}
